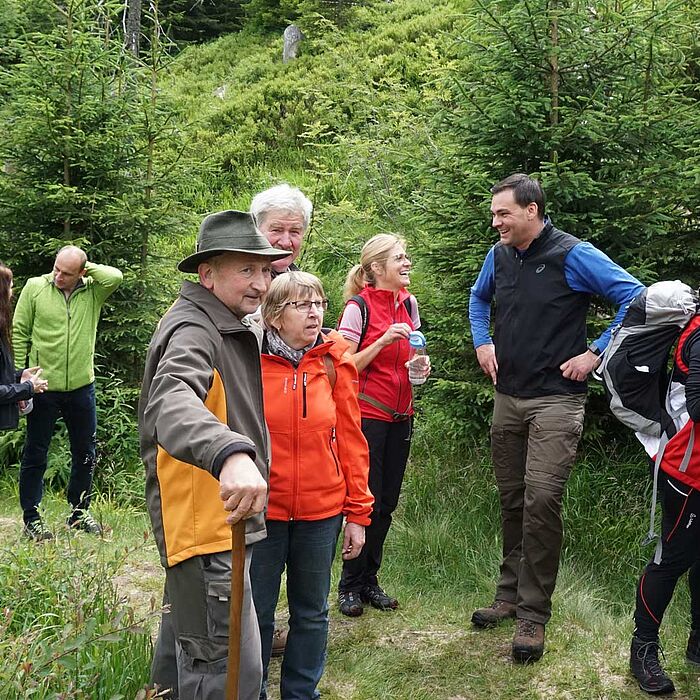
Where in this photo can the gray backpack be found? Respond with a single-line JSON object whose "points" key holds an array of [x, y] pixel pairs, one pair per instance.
{"points": [[634, 367]]}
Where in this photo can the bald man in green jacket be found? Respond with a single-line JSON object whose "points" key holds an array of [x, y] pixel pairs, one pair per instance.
{"points": [[54, 326]]}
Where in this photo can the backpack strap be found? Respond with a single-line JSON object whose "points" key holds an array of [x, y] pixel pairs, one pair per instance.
{"points": [[330, 370], [383, 407], [364, 311], [688, 336], [408, 303]]}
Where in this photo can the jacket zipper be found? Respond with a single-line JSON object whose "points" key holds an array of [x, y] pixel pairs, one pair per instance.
{"points": [[335, 459], [67, 337], [397, 356], [295, 475], [303, 394]]}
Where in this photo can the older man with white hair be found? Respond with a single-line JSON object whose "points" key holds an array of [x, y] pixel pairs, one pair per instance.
{"points": [[283, 214]]}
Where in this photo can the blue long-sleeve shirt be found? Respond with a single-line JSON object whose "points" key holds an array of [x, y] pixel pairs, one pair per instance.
{"points": [[586, 269]]}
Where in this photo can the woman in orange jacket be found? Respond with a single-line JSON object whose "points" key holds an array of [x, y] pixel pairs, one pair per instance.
{"points": [[318, 474]]}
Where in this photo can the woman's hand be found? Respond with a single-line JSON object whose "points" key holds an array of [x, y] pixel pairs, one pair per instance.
{"points": [[353, 540], [33, 375], [396, 331]]}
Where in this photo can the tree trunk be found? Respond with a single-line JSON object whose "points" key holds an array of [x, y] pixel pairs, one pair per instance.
{"points": [[554, 72], [133, 26]]}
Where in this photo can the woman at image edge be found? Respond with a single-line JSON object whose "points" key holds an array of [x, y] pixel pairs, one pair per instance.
{"points": [[386, 400], [318, 474], [16, 386]]}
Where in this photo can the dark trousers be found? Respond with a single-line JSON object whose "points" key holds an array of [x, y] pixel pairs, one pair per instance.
{"points": [[77, 408], [680, 552], [389, 445], [533, 447], [305, 548]]}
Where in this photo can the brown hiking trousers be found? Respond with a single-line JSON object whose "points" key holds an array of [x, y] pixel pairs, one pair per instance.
{"points": [[533, 447]]}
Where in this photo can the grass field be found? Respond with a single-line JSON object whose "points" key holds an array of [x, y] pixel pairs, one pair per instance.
{"points": [[58, 635]]}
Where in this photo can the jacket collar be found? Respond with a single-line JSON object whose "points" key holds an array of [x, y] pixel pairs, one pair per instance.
{"points": [[79, 284], [221, 316], [538, 242], [385, 293], [329, 342]]}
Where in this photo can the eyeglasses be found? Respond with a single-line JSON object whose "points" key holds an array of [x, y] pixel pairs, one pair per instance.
{"points": [[303, 307]]}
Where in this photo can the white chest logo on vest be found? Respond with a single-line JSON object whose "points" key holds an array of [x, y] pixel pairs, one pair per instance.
{"points": [[539, 269]]}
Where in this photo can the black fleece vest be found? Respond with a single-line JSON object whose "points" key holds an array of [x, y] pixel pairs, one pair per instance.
{"points": [[539, 321]]}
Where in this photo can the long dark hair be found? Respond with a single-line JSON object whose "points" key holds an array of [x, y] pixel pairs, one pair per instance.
{"points": [[5, 305]]}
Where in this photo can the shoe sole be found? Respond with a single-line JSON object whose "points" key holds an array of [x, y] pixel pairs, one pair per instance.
{"points": [[352, 613], [379, 606], [46, 537], [526, 656], [485, 623], [658, 691]]}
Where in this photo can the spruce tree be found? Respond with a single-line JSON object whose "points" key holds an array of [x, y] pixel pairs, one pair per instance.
{"points": [[600, 100]]}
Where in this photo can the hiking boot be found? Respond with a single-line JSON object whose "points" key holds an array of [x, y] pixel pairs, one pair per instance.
{"points": [[279, 641], [645, 667], [499, 610], [528, 642], [693, 651], [37, 531], [350, 603], [85, 522], [377, 598]]}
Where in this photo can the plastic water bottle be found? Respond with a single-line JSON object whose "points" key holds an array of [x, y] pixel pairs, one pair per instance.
{"points": [[418, 360]]}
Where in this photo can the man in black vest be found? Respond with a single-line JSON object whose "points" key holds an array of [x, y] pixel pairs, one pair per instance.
{"points": [[541, 280]]}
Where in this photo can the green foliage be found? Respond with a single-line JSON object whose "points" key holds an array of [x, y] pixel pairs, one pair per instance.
{"points": [[84, 163], [65, 630], [602, 103], [450, 514], [119, 471], [270, 15], [192, 22]]}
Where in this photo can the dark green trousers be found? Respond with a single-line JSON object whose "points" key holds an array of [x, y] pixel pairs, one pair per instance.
{"points": [[533, 447]]}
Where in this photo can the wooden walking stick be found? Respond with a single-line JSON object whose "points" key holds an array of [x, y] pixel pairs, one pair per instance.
{"points": [[236, 609]]}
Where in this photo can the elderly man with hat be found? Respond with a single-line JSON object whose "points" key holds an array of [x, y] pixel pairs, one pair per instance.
{"points": [[205, 448]]}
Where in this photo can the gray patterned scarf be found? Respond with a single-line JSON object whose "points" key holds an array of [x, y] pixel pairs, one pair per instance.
{"points": [[278, 347]]}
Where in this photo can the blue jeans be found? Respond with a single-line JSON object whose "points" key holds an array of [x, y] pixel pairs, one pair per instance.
{"points": [[306, 548], [77, 408]]}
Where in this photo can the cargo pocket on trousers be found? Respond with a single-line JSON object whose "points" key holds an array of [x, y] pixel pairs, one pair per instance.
{"points": [[552, 444], [218, 594], [202, 667]]}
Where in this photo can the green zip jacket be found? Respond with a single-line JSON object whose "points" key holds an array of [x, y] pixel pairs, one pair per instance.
{"points": [[58, 334]]}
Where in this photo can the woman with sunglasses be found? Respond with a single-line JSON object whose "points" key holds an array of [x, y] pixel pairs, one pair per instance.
{"points": [[318, 475], [378, 339]]}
